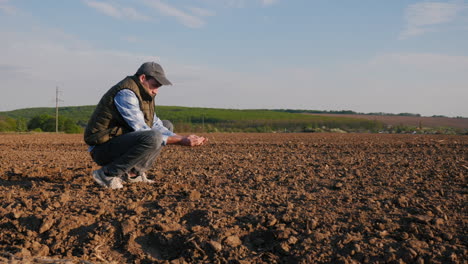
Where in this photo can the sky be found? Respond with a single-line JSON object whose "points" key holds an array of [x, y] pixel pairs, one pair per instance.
{"points": [[392, 56]]}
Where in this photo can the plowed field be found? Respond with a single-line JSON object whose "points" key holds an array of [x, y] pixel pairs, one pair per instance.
{"points": [[415, 121], [242, 198]]}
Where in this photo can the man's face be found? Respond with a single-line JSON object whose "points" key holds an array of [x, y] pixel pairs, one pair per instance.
{"points": [[150, 84]]}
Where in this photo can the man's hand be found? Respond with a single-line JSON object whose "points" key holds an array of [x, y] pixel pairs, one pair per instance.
{"points": [[193, 140]]}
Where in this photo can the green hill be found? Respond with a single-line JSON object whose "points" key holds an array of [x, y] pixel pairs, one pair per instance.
{"points": [[214, 119], [79, 114]]}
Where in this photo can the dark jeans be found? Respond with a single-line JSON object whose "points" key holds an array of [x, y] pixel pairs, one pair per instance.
{"points": [[134, 151]]}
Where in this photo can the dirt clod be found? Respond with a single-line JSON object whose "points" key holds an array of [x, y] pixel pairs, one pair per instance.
{"points": [[47, 223], [216, 246], [194, 195], [233, 241]]}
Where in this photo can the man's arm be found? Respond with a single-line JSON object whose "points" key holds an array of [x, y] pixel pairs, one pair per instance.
{"points": [[158, 125], [172, 138], [191, 140], [128, 106]]}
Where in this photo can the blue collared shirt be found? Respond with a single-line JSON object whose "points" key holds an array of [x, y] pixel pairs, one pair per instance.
{"points": [[128, 106]]}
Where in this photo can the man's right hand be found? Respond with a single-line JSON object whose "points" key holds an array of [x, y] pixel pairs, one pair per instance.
{"points": [[193, 140]]}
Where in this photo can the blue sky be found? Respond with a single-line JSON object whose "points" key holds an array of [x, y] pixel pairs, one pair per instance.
{"points": [[389, 56]]}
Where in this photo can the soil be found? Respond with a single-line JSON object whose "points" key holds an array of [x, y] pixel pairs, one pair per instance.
{"points": [[242, 198]]}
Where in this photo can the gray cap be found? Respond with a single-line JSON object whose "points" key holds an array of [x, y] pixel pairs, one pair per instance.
{"points": [[154, 70]]}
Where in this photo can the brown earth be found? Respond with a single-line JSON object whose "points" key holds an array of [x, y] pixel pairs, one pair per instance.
{"points": [[243, 198], [423, 121]]}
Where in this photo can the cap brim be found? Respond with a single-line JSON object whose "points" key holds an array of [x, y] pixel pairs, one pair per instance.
{"points": [[162, 80]]}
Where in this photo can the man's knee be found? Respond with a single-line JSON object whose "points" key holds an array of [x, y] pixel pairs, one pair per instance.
{"points": [[168, 124], [152, 138]]}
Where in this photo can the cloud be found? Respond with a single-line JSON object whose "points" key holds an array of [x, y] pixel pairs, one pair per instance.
{"points": [[227, 3], [116, 11], [193, 16], [240, 3], [268, 2], [6, 8], [38, 60], [190, 16], [425, 61], [189, 20], [104, 8], [425, 83], [201, 11], [131, 13], [42, 59], [423, 17]]}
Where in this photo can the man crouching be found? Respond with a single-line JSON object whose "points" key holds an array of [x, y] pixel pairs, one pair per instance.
{"points": [[124, 134]]}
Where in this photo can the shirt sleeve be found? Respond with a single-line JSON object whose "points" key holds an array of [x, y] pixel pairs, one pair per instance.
{"points": [[129, 107], [158, 125]]}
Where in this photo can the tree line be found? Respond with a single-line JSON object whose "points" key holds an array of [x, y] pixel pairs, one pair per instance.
{"points": [[346, 112], [39, 123]]}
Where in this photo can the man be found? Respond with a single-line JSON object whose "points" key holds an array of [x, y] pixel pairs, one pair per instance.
{"points": [[125, 135]]}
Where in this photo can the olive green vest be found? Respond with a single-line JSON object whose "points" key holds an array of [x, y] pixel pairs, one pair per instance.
{"points": [[106, 121]]}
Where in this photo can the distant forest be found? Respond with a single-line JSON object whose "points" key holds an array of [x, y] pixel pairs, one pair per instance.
{"points": [[350, 112]]}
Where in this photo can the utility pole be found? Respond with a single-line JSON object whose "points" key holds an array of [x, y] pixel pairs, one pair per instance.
{"points": [[203, 123], [56, 108]]}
